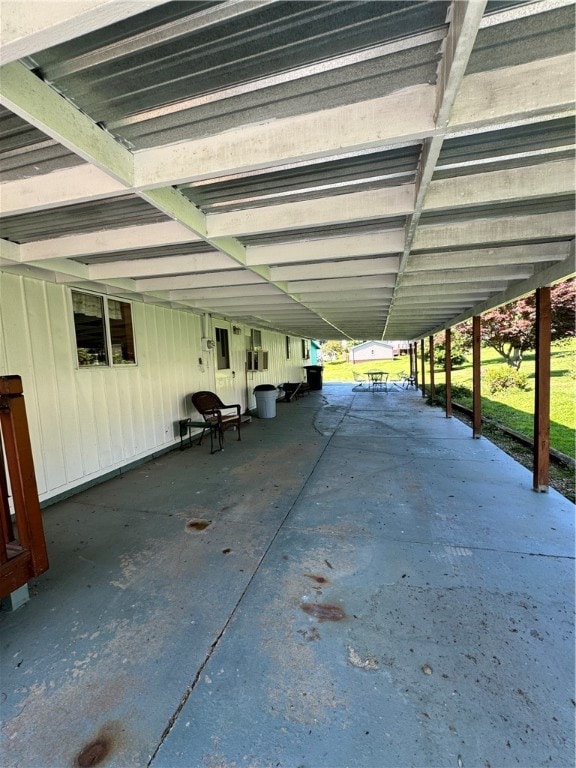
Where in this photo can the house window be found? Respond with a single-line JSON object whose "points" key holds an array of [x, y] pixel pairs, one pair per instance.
{"points": [[90, 329], [121, 332], [305, 349], [287, 347], [222, 349], [103, 329], [256, 339]]}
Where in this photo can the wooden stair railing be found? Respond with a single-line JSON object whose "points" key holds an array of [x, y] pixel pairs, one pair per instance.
{"points": [[22, 544]]}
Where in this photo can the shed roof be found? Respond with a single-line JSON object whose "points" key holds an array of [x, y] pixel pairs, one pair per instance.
{"points": [[331, 170], [367, 344]]}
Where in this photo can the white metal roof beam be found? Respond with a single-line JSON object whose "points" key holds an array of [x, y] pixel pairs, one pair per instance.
{"points": [[341, 284], [233, 302], [486, 257], [248, 291], [396, 118], [206, 280], [108, 241], [442, 277], [353, 308], [357, 206], [9, 252], [65, 187], [26, 95], [326, 249], [352, 268], [162, 266], [447, 303], [552, 226], [493, 187], [447, 288], [525, 91], [349, 318], [320, 298], [408, 314]]}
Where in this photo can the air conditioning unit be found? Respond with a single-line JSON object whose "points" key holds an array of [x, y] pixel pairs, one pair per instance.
{"points": [[257, 361]]}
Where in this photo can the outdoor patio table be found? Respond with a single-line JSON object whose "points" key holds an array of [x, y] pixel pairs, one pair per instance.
{"points": [[378, 380]]}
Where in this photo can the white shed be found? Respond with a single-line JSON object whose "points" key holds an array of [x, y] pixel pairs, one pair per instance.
{"points": [[370, 350]]}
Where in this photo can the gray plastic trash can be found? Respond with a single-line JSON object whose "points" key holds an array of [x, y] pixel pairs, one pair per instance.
{"points": [[265, 395]]}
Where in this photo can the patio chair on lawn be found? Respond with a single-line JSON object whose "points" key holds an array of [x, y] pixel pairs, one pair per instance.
{"points": [[213, 410]]}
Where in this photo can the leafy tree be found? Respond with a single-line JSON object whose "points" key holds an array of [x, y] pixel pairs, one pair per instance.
{"points": [[460, 344], [511, 329], [333, 350]]}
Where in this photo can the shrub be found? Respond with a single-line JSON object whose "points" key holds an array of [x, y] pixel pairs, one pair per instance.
{"points": [[505, 377], [460, 394], [455, 359]]}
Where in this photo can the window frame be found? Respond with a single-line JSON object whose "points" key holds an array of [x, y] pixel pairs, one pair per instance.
{"points": [[255, 339], [107, 332], [218, 330]]}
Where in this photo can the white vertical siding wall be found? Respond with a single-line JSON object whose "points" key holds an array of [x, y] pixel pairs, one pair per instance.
{"points": [[280, 369], [87, 422]]}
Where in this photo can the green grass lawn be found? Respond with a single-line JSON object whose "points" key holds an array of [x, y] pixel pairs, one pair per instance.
{"points": [[512, 407]]}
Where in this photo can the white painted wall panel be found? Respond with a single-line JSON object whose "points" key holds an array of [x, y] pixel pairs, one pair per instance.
{"points": [[85, 423], [19, 360], [47, 396], [61, 336], [142, 317]]}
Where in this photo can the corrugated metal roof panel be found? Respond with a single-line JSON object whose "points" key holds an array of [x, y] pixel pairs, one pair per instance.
{"points": [[84, 217], [25, 151], [507, 148], [519, 41], [373, 170], [133, 76]]}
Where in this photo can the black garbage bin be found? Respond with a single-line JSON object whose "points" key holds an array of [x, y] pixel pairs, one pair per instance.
{"points": [[314, 376]]}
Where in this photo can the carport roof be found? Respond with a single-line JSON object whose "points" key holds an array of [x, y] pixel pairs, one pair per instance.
{"points": [[326, 169]]}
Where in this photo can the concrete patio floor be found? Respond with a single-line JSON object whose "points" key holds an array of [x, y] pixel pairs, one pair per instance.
{"points": [[357, 583]]}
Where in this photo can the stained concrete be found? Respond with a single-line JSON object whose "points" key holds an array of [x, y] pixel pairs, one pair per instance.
{"points": [[357, 583]]}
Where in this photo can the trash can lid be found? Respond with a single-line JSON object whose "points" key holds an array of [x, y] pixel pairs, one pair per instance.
{"points": [[264, 388]]}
